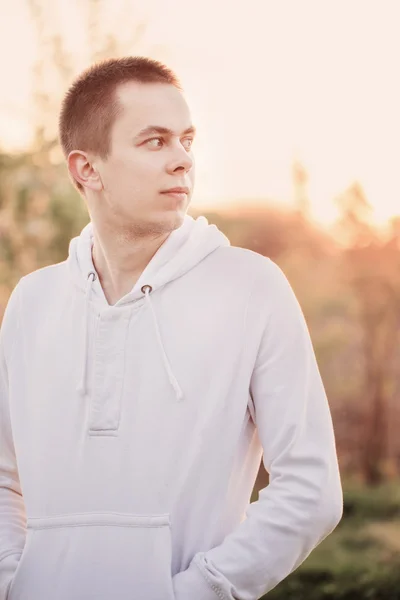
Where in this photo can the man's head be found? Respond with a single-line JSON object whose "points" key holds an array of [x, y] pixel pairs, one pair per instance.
{"points": [[126, 132]]}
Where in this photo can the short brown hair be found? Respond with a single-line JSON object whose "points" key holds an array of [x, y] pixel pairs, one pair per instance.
{"points": [[89, 107]]}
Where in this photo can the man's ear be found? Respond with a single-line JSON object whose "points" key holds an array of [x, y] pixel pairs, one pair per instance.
{"points": [[83, 171]]}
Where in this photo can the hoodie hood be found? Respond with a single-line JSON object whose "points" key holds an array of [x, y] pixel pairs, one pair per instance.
{"points": [[184, 248]]}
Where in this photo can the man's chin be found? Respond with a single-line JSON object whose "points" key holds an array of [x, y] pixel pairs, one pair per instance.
{"points": [[164, 222], [171, 219], [155, 223]]}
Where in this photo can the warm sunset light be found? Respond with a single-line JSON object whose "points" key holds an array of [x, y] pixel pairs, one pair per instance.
{"points": [[268, 82]]}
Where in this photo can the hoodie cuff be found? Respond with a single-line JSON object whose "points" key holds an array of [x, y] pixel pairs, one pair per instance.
{"points": [[194, 584], [8, 567]]}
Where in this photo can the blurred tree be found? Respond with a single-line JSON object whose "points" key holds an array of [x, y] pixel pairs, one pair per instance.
{"points": [[371, 265], [300, 181], [349, 293]]}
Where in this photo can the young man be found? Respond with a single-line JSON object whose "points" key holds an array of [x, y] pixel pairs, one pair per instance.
{"points": [[143, 378]]}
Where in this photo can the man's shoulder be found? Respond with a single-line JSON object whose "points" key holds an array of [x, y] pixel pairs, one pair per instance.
{"points": [[263, 277], [243, 261], [39, 279]]}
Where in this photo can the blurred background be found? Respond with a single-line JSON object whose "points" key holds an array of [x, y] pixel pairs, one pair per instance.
{"points": [[297, 107]]}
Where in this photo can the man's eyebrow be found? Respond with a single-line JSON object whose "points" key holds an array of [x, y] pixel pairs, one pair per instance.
{"points": [[163, 130]]}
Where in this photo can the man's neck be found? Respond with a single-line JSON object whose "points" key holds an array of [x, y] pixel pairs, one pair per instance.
{"points": [[120, 262]]}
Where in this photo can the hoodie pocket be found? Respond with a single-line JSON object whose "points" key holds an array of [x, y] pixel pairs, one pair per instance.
{"points": [[95, 556]]}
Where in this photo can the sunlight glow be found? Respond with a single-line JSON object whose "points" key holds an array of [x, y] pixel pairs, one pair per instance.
{"points": [[268, 82]]}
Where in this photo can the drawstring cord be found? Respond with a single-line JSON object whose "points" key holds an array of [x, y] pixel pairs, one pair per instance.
{"points": [[82, 387], [146, 289]]}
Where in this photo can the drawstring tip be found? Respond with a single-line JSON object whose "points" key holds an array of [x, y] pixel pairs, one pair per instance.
{"points": [[178, 392], [81, 389]]}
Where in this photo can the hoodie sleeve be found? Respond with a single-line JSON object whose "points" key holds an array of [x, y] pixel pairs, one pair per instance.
{"points": [[12, 510], [303, 502]]}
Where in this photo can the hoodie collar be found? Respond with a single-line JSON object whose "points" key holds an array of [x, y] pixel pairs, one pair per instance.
{"points": [[184, 248]]}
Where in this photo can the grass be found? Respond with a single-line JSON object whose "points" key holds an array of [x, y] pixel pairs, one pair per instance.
{"points": [[360, 560]]}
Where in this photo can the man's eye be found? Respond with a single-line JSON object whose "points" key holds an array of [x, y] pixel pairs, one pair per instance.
{"points": [[155, 145], [188, 143]]}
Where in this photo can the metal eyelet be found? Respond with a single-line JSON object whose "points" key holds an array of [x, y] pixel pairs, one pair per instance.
{"points": [[94, 275], [144, 287]]}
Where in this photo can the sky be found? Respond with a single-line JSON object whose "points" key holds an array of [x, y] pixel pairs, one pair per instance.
{"points": [[268, 82]]}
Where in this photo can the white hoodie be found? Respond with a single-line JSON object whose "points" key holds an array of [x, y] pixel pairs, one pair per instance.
{"points": [[131, 435]]}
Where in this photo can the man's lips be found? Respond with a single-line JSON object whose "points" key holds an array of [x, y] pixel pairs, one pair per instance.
{"points": [[177, 190], [180, 194]]}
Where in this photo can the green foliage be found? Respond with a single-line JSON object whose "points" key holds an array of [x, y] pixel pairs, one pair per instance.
{"points": [[358, 561], [376, 584], [68, 216], [380, 503]]}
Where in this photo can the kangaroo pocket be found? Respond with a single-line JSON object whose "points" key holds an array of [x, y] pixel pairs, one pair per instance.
{"points": [[95, 557]]}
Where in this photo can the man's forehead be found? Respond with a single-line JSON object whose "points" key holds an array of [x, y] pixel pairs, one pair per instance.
{"points": [[149, 95], [161, 105]]}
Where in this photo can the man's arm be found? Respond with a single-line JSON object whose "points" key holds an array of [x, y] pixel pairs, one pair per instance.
{"points": [[12, 509], [303, 502]]}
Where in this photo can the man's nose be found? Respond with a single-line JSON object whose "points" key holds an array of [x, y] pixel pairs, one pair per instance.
{"points": [[181, 161]]}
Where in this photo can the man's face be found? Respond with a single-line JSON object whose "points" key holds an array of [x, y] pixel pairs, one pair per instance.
{"points": [[145, 160]]}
